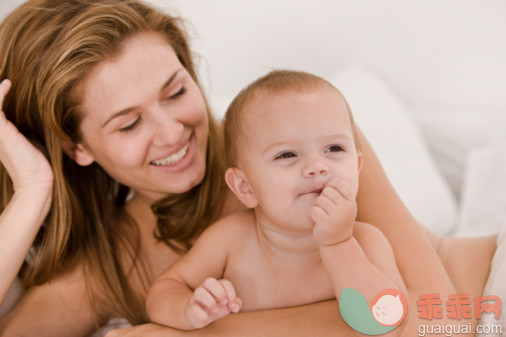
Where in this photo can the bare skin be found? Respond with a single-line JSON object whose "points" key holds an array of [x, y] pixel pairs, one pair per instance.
{"points": [[418, 266], [420, 255], [32, 182], [69, 311], [463, 260], [427, 262]]}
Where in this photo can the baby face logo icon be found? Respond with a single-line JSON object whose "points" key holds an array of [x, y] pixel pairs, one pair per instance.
{"points": [[387, 311]]}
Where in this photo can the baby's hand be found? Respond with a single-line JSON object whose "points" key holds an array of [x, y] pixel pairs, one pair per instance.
{"points": [[212, 300], [334, 213]]}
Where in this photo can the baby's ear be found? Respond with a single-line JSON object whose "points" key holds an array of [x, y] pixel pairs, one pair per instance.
{"points": [[238, 183], [77, 152]]}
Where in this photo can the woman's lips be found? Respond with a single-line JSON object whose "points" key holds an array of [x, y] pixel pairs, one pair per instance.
{"points": [[179, 161], [173, 158]]}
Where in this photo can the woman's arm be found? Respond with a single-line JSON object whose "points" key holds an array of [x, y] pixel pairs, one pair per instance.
{"points": [[379, 205], [319, 319], [19, 223], [416, 258], [32, 179], [60, 308]]}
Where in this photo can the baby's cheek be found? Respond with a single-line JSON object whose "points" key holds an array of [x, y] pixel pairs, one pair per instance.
{"points": [[353, 180]]}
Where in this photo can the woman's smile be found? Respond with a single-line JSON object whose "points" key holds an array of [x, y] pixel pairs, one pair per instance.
{"points": [[173, 158], [178, 161]]}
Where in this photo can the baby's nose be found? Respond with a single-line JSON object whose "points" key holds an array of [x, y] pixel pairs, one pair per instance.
{"points": [[315, 168]]}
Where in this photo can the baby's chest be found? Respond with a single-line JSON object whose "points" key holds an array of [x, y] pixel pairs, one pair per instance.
{"points": [[263, 285]]}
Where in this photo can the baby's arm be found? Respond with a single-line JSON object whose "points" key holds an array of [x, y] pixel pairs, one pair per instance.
{"points": [[171, 300], [356, 255]]}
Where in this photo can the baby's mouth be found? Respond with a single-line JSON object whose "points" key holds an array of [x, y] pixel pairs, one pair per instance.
{"points": [[173, 158], [316, 191]]}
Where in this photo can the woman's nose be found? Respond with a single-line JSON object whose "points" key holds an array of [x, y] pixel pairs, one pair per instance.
{"points": [[168, 131], [315, 167]]}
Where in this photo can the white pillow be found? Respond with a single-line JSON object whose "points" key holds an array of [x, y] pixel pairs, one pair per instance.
{"points": [[483, 202], [399, 146], [452, 133]]}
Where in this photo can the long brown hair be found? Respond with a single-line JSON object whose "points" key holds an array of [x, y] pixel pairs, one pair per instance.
{"points": [[47, 47]]}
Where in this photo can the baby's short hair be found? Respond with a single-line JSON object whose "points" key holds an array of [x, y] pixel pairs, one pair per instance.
{"points": [[275, 82]]}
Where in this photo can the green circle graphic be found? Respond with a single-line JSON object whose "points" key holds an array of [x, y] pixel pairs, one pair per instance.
{"points": [[356, 313]]}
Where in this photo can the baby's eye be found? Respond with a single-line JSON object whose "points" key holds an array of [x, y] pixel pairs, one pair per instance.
{"points": [[286, 155], [335, 148]]}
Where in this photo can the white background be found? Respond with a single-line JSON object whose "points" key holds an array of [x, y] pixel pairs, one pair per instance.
{"points": [[435, 108]]}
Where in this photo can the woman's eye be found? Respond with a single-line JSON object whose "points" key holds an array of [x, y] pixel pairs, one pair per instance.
{"points": [[131, 126], [180, 92], [335, 148], [286, 155]]}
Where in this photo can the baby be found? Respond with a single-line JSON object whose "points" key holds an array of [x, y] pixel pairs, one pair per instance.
{"points": [[294, 162]]}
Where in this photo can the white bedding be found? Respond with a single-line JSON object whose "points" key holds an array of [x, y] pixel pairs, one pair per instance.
{"points": [[429, 90], [496, 286]]}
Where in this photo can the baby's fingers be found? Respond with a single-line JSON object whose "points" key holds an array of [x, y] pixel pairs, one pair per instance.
{"points": [[234, 303], [204, 298], [342, 187], [216, 289], [328, 200], [198, 316], [318, 215], [237, 305], [330, 193]]}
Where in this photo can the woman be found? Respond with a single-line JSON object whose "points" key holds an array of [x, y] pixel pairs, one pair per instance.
{"points": [[130, 172]]}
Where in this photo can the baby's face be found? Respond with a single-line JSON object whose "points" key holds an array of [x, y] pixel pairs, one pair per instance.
{"points": [[292, 144]]}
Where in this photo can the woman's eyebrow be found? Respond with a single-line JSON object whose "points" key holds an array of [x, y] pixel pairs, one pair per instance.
{"points": [[127, 110], [171, 79]]}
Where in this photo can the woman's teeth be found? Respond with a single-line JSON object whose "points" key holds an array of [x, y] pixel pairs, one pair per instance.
{"points": [[172, 159]]}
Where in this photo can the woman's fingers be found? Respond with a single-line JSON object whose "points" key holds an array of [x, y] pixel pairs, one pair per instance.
{"points": [[5, 85], [25, 164]]}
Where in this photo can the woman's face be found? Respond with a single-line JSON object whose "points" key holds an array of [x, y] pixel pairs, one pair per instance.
{"points": [[145, 121]]}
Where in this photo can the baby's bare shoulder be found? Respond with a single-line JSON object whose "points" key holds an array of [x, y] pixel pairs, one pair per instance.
{"points": [[234, 226]]}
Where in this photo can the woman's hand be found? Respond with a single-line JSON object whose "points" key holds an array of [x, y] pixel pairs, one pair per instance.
{"points": [[26, 165], [22, 217]]}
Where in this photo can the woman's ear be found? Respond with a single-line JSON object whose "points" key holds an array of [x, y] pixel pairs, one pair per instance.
{"points": [[238, 183], [360, 160], [77, 152]]}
